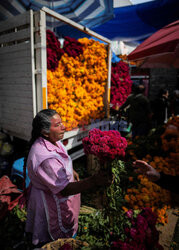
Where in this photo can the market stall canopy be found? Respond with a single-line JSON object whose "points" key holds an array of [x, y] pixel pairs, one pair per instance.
{"points": [[159, 50], [135, 23], [131, 24], [86, 12]]}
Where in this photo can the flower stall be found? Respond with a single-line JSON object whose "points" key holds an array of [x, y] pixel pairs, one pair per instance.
{"points": [[78, 81], [160, 149], [75, 79], [115, 225], [134, 211]]}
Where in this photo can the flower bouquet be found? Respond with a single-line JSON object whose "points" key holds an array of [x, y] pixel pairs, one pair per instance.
{"points": [[106, 145]]}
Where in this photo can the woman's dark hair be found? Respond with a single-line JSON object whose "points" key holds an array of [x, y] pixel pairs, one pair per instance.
{"points": [[139, 89], [162, 92], [41, 123]]}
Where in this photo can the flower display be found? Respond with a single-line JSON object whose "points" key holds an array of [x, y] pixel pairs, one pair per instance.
{"points": [[170, 139], [121, 83], [106, 145], [77, 77], [72, 47], [160, 150], [76, 87], [142, 234], [174, 120], [148, 194], [117, 229], [54, 51]]}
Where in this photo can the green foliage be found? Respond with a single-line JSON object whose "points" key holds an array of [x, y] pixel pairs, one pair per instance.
{"points": [[100, 227], [20, 213], [12, 230]]}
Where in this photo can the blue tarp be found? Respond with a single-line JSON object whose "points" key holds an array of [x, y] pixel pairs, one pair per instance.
{"points": [[130, 24], [137, 22], [133, 23]]}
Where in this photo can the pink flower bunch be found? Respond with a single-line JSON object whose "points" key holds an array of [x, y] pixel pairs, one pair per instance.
{"points": [[54, 51], [121, 84], [142, 235], [106, 145], [72, 47]]}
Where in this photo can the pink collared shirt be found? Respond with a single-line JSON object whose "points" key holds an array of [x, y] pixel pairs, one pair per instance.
{"points": [[49, 215]]}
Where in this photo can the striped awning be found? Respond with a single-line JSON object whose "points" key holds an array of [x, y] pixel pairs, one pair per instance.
{"points": [[89, 13]]}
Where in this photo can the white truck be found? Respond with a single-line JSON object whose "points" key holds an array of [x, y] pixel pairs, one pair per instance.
{"points": [[23, 76]]}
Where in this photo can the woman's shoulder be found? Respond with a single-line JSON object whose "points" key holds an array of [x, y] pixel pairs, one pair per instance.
{"points": [[38, 153], [39, 143], [38, 147]]}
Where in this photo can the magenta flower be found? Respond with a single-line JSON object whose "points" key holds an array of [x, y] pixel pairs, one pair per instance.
{"points": [[133, 233], [143, 234], [150, 216], [141, 222], [106, 145], [121, 83], [129, 213]]}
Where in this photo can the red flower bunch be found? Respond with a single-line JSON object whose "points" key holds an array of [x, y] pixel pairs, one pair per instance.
{"points": [[143, 234], [72, 47], [121, 83], [106, 145], [54, 51]]}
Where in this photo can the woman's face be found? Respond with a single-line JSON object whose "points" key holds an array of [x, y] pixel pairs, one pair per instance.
{"points": [[57, 129], [166, 94]]}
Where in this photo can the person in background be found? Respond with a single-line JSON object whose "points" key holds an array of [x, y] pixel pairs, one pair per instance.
{"points": [[174, 107], [54, 194], [165, 181], [161, 107], [139, 111]]}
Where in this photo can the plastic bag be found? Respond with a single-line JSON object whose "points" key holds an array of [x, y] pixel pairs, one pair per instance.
{"points": [[9, 195]]}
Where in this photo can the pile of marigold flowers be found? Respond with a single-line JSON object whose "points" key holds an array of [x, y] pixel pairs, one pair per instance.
{"points": [[170, 138], [77, 85], [173, 120], [146, 193]]}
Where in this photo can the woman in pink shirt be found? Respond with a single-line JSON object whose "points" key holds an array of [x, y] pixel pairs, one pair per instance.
{"points": [[54, 197]]}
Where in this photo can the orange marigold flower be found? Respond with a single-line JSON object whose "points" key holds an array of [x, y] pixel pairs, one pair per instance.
{"points": [[131, 178]]}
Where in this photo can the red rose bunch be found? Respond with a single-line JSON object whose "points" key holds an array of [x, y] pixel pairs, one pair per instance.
{"points": [[121, 83], [142, 234], [106, 145]]}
